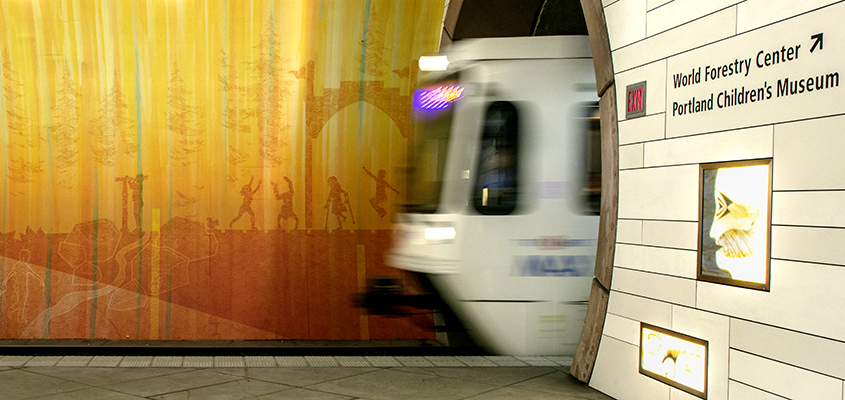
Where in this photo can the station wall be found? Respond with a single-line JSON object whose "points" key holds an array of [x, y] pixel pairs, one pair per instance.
{"points": [[784, 342]]}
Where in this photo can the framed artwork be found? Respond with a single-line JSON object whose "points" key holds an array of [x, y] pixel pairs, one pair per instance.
{"points": [[734, 231], [675, 359]]}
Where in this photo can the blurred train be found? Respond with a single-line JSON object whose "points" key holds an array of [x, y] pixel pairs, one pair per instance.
{"points": [[503, 194]]}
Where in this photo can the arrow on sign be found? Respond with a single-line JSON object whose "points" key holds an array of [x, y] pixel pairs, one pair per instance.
{"points": [[819, 41]]}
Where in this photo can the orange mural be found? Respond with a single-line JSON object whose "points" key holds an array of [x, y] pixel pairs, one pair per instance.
{"points": [[164, 164]]}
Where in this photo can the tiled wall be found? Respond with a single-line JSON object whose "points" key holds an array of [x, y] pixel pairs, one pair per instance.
{"points": [[788, 342]]}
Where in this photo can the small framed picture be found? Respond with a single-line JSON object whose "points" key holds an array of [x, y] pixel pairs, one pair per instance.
{"points": [[734, 228], [675, 359]]}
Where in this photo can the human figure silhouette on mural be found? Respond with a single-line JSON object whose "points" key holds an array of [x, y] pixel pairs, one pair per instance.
{"points": [[381, 193], [287, 204], [339, 200], [136, 185], [246, 207], [27, 290]]}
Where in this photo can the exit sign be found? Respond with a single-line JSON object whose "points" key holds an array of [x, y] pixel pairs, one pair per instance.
{"points": [[635, 100]]}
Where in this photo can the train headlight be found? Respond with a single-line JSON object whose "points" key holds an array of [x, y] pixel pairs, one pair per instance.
{"points": [[440, 233]]}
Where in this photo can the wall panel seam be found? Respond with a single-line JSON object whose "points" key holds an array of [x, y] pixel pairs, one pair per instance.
{"points": [[787, 364]]}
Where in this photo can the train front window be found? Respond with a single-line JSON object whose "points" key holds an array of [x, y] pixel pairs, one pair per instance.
{"points": [[433, 109], [495, 191], [591, 187]]}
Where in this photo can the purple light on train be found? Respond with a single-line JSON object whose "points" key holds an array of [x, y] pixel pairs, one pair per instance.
{"points": [[438, 98]]}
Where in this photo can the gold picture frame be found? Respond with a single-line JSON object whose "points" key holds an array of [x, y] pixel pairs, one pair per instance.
{"points": [[735, 223], [676, 359]]}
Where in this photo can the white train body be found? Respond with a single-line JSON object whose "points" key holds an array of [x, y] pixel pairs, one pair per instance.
{"points": [[518, 277]]}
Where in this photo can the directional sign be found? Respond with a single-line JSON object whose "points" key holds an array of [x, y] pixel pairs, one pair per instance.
{"points": [[774, 74]]}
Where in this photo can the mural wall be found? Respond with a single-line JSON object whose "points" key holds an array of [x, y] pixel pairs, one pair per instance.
{"points": [[193, 170]]}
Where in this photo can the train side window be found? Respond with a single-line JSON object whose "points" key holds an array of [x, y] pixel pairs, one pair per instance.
{"points": [[495, 190], [591, 186]]}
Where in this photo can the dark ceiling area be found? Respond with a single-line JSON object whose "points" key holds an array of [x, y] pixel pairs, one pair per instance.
{"points": [[507, 18]]}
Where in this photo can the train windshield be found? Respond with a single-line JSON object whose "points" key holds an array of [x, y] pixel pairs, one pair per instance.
{"points": [[433, 109]]}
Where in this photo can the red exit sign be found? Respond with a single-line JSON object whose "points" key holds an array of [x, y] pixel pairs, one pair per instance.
{"points": [[635, 100]]}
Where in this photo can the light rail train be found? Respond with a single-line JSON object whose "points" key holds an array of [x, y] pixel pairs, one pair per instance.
{"points": [[502, 211]]}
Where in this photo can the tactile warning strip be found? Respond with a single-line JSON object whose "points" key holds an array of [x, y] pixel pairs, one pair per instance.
{"points": [[291, 361], [74, 361], [476, 361], [46, 361], [105, 361], [14, 361], [414, 361], [198, 362], [229, 362], [166, 361], [352, 362], [259, 361], [505, 361], [537, 361], [445, 361], [383, 361], [134, 361], [321, 361]]}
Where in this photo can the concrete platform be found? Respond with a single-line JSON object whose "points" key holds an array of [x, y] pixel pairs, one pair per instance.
{"points": [[289, 377]]}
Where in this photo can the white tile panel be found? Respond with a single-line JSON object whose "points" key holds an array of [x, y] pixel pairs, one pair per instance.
{"points": [[655, 286], [808, 155], [681, 263], [631, 156], [715, 329], [629, 231], [753, 14], [739, 391], [640, 309], [654, 74], [668, 193], [818, 208], [625, 22], [616, 373], [823, 245], [740, 144], [644, 129], [606, 3], [804, 297], [680, 235], [775, 109], [621, 328], [703, 31], [781, 379], [679, 12], [801, 350], [652, 4]]}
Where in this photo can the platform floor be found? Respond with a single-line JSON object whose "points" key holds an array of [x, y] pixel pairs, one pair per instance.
{"points": [[269, 377]]}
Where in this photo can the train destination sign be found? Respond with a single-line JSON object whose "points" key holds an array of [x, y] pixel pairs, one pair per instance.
{"points": [[763, 76]]}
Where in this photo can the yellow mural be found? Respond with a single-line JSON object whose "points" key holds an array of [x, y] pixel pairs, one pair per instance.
{"points": [[176, 169]]}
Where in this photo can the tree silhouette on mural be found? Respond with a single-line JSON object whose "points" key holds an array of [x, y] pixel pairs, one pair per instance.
{"points": [[246, 207], [381, 192], [65, 123], [21, 168], [22, 291], [339, 202], [184, 121], [232, 113], [136, 186], [286, 211], [112, 123], [270, 93]]}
